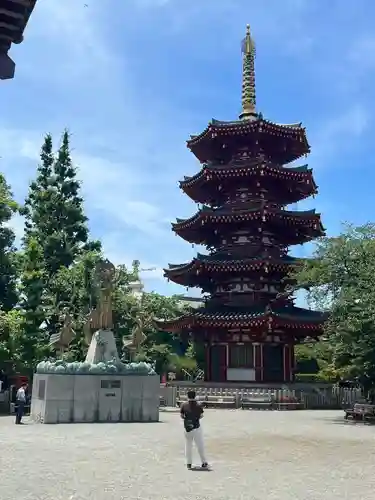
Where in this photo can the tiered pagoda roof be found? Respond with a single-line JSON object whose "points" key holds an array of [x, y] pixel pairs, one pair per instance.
{"points": [[219, 265], [285, 143], [244, 187], [207, 186], [208, 224], [291, 318]]}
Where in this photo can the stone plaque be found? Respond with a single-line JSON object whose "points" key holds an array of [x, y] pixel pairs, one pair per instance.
{"points": [[41, 389], [110, 384]]}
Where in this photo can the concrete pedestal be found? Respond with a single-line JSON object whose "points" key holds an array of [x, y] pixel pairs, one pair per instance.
{"points": [[64, 398]]}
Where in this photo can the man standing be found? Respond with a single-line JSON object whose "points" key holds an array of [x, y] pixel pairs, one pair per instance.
{"points": [[191, 413], [20, 403]]}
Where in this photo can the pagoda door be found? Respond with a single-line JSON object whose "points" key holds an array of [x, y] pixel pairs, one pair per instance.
{"points": [[273, 363], [218, 363]]}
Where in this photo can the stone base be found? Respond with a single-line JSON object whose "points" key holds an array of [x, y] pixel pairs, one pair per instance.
{"points": [[62, 398]]}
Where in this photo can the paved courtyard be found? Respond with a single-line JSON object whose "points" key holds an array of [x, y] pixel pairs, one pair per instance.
{"points": [[254, 455]]}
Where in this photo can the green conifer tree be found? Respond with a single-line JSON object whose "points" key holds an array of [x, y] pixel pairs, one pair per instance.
{"points": [[57, 226]]}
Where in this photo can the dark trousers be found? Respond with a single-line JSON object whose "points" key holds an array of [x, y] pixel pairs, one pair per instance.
{"points": [[20, 411]]}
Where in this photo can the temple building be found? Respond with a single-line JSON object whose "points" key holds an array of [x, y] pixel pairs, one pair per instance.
{"points": [[249, 324], [14, 15]]}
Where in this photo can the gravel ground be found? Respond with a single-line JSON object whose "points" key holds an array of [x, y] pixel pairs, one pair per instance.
{"points": [[254, 455]]}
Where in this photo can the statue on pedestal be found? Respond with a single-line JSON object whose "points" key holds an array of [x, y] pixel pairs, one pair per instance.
{"points": [[136, 339], [60, 341], [100, 318]]}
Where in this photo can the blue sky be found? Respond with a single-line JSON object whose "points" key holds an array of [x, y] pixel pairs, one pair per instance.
{"points": [[132, 79]]}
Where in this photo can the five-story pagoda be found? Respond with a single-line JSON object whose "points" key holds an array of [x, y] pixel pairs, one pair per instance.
{"points": [[249, 325]]}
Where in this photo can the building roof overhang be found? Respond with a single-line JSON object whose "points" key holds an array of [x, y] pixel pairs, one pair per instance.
{"points": [[293, 133], [14, 16]]}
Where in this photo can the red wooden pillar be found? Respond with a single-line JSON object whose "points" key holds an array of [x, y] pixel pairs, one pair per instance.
{"points": [[258, 362], [292, 362], [207, 368], [287, 363], [224, 353]]}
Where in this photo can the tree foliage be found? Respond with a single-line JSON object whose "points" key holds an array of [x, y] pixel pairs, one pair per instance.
{"points": [[341, 279], [8, 262], [158, 346], [55, 251], [55, 269]]}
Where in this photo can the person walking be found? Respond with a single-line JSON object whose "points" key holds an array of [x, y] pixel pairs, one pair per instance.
{"points": [[191, 413], [20, 403]]}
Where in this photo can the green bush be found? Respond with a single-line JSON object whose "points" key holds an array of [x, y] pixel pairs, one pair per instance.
{"points": [[313, 377]]}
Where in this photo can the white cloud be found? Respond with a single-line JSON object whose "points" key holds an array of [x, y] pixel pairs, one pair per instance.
{"points": [[115, 189], [117, 251]]}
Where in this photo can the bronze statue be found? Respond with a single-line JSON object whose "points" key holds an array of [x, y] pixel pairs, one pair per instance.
{"points": [[100, 318], [60, 341], [137, 338]]}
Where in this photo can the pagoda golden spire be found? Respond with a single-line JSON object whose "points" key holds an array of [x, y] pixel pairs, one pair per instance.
{"points": [[248, 78]]}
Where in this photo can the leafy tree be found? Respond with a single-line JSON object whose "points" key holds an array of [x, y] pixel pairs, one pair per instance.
{"points": [[311, 357], [341, 279], [10, 329], [158, 346], [77, 282], [8, 261], [33, 339], [183, 364]]}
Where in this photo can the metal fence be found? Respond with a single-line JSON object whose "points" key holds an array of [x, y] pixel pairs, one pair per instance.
{"points": [[313, 398]]}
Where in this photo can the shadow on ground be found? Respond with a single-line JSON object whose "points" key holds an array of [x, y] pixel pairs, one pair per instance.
{"points": [[342, 421], [198, 468]]}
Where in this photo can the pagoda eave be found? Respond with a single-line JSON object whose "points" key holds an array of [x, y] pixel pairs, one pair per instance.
{"points": [[207, 186], [211, 239], [297, 319], [202, 227], [208, 173], [208, 216], [294, 134], [196, 271]]}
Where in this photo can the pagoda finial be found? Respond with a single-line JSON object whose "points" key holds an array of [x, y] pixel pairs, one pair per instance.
{"points": [[248, 78]]}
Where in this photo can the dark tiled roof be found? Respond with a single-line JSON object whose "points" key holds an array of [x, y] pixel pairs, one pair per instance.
{"points": [[293, 315], [294, 134], [223, 123], [242, 166], [208, 212], [248, 124], [224, 259]]}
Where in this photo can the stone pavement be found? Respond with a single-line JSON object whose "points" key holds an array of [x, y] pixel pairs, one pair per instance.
{"points": [[254, 454]]}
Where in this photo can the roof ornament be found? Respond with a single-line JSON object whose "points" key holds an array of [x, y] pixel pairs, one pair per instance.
{"points": [[248, 78]]}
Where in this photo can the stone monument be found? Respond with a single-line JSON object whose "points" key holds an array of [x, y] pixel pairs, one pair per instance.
{"points": [[102, 388]]}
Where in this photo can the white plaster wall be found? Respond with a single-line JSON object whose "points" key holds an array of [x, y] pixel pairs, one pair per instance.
{"points": [[241, 374]]}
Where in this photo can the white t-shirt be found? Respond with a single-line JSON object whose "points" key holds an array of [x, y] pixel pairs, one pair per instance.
{"points": [[21, 396]]}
